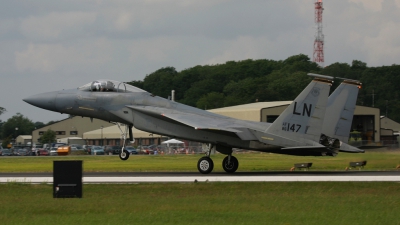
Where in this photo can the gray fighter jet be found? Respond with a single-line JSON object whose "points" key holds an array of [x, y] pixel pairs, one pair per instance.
{"points": [[312, 125]]}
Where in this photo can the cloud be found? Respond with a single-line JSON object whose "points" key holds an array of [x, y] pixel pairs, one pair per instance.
{"points": [[372, 5], [244, 47], [152, 49], [56, 25], [125, 39], [248, 47], [385, 46], [46, 58]]}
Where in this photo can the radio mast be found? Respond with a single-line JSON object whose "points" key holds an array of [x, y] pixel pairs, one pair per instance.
{"points": [[318, 55]]}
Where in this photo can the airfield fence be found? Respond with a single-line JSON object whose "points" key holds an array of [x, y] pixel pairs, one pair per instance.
{"points": [[199, 148]]}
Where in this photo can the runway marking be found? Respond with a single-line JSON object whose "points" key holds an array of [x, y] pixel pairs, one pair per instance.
{"points": [[88, 180]]}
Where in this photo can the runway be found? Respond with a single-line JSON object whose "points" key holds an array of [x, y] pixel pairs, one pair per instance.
{"points": [[166, 177]]}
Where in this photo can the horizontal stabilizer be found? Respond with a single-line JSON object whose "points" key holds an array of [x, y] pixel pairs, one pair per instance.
{"points": [[307, 147], [349, 149], [307, 151]]}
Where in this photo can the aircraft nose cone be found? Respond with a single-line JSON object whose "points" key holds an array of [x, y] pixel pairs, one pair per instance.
{"points": [[44, 100]]}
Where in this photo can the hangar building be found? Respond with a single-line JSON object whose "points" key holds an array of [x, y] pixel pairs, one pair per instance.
{"points": [[70, 127], [112, 136]]}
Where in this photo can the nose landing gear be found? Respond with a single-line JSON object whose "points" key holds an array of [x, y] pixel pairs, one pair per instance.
{"points": [[124, 154]]}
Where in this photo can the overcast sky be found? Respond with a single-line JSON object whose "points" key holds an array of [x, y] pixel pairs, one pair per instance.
{"points": [[48, 45]]}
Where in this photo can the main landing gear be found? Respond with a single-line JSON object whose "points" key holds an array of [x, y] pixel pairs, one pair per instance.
{"points": [[124, 154], [230, 164], [205, 164]]}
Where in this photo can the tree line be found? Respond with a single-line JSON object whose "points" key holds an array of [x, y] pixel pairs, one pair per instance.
{"points": [[21, 125], [248, 81]]}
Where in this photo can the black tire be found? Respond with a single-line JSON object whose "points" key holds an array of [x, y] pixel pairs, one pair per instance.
{"points": [[124, 155], [205, 165], [232, 166]]}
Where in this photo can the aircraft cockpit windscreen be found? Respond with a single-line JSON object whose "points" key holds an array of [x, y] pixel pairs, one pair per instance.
{"points": [[109, 86]]}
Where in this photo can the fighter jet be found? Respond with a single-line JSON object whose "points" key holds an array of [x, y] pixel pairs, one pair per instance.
{"points": [[302, 129]]}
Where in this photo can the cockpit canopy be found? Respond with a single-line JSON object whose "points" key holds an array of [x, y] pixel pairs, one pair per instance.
{"points": [[109, 86]]}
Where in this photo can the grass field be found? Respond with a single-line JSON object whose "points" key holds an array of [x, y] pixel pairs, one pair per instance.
{"points": [[205, 203], [376, 160]]}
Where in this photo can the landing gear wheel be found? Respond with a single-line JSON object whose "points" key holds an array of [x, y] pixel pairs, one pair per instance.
{"points": [[205, 165], [232, 166], [124, 155]]}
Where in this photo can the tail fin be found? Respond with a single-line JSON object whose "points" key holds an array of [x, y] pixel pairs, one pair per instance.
{"points": [[340, 110], [304, 117]]}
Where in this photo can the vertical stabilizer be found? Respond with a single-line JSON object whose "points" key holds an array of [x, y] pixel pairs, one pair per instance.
{"points": [[304, 117], [340, 110]]}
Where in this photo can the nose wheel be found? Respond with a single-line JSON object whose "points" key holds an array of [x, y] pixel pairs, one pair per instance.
{"points": [[124, 155]]}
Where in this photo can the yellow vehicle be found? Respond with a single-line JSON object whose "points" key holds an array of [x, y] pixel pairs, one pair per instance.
{"points": [[64, 150], [355, 136]]}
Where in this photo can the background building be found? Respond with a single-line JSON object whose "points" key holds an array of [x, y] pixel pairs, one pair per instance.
{"points": [[112, 136], [23, 140], [387, 123], [71, 127]]}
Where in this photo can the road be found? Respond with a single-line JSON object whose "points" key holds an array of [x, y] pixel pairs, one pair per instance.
{"points": [[276, 176]]}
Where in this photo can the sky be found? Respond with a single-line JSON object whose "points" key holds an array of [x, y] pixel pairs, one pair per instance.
{"points": [[48, 45]]}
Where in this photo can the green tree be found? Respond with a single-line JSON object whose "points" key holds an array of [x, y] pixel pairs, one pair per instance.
{"points": [[241, 82], [211, 100], [136, 83], [356, 64], [48, 136], [2, 110], [18, 125], [51, 122], [6, 141], [160, 82], [1, 129], [39, 125]]}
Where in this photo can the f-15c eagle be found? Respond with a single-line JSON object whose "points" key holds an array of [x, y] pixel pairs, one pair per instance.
{"points": [[314, 124]]}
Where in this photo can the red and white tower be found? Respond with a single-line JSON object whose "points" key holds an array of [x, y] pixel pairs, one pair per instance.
{"points": [[318, 55]]}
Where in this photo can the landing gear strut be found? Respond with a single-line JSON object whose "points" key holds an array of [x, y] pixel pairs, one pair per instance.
{"points": [[205, 164], [124, 154]]}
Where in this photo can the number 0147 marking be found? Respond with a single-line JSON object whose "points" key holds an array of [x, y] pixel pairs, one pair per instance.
{"points": [[291, 127]]}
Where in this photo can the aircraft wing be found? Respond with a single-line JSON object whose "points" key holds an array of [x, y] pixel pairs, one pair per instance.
{"points": [[199, 122]]}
